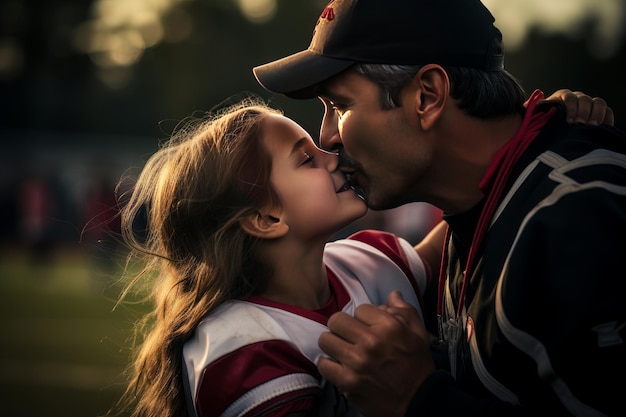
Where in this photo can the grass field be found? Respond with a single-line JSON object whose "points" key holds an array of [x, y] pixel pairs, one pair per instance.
{"points": [[63, 346]]}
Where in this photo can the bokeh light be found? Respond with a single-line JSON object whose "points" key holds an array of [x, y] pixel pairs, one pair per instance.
{"points": [[607, 18]]}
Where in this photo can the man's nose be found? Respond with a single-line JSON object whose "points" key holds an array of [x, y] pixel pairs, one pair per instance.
{"points": [[329, 131]]}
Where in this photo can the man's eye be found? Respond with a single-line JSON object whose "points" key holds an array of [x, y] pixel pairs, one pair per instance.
{"points": [[337, 107]]}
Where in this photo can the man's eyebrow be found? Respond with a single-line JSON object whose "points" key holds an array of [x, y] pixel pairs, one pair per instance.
{"points": [[326, 93], [322, 91]]}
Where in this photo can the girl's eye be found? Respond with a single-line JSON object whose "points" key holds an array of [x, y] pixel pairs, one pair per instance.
{"points": [[308, 158]]}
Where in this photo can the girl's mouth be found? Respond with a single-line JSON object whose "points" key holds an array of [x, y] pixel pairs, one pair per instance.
{"points": [[345, 187], [352, 184]]}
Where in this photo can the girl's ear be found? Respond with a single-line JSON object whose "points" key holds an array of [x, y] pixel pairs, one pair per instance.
{"points": [[264, 226]]}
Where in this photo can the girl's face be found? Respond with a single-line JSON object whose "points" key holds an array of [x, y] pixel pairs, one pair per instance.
{"points": [[315, 197]]}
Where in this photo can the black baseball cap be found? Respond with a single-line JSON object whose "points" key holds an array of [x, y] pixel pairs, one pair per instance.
{"points": [[400, 32]]}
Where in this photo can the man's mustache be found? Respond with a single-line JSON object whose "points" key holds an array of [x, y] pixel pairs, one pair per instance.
{"points": [[346, 162]]}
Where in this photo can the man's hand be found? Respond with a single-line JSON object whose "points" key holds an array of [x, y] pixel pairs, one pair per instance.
{"points": [[581, 108], [382, 356]]}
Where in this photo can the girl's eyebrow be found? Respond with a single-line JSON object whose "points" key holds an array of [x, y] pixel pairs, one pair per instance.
{"points": [[299, 145]]}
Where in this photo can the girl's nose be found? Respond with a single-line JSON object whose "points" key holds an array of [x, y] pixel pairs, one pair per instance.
{"points": [[330, 160]]}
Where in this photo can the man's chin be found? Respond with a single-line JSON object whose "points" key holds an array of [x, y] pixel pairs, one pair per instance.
{"points": [[377, 202]]}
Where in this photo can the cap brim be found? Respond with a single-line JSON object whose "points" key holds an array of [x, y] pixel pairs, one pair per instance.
{"points": [[297, 75]]}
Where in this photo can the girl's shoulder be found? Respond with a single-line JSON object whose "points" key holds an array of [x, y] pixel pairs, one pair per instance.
{"points": [[231, 326], [240, 346], [379, 262]]}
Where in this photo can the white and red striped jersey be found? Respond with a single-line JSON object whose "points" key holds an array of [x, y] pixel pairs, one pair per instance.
{"points": [[256, 357]]}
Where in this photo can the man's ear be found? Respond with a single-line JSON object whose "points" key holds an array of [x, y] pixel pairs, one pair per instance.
{"points": [[264, 225], [432, 88]]}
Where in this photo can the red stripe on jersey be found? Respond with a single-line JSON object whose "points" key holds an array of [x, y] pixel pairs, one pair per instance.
{"points": [[231, 376], [338, 299]]}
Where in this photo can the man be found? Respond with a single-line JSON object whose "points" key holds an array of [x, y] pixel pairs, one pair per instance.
{"points": [[529, 314]]}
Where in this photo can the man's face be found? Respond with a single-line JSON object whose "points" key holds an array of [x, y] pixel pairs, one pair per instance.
{"points": [[383, 147]]}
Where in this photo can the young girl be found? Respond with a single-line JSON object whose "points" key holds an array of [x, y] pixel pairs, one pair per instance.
{"points": [[238, 208]]}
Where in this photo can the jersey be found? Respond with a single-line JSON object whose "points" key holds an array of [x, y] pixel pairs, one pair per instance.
{"points": [[542, 327], [257, 357]]}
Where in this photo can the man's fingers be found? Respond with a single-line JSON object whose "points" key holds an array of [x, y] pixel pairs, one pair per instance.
{"points": [[331, 370], [347, 331], [339, 343], [609, 118], [400, 309], [582, 108], [601, 112], [581, 112], [577, 105], [380, 356], [593, 111]]}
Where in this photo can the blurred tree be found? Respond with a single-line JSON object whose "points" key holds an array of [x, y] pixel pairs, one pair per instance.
{"points": [[206, 54]]}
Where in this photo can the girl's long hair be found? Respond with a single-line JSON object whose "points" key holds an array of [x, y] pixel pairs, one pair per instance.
{"points": [[181, 218]]}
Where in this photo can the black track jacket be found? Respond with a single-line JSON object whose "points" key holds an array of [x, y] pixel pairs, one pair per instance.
{"points": [[544, 323]]}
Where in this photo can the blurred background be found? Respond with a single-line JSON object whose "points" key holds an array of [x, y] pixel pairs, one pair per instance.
{"points": [[89, 88]]}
